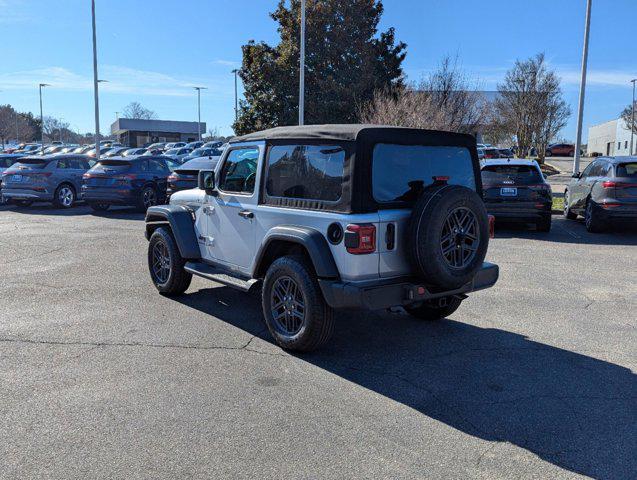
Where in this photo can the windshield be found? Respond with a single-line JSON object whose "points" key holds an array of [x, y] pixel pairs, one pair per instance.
{"points": [[627, 169], [518, 174], [400, 172]]}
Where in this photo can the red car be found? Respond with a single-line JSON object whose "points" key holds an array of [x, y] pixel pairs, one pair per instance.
{"points": [[490, 153], [560, 150]]}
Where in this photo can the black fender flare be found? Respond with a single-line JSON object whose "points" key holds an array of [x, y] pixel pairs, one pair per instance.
{"points": [[311, 239], [182, 225]]}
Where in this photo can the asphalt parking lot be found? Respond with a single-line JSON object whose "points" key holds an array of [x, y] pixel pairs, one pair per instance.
{"points": [[103, 378]]}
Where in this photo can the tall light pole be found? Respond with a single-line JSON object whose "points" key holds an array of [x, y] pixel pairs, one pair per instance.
{"points": [[199, 89], [302, 68], [632, 124], [42, 85], [582, 89], [236, 97], [95, 86]]}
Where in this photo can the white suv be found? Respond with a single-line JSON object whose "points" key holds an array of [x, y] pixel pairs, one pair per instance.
{"points": [[331, 217]]}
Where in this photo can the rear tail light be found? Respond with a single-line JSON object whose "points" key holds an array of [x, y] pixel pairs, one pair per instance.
{"points": [[618, 185], [360, 238], [491, 226], [173, 178], [610, 205]]}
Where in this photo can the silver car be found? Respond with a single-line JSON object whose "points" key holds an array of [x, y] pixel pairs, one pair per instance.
{"points": [[47, 178], [605, 192]]}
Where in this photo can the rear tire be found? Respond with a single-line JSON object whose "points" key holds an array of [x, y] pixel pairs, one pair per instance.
{"points": [[592, 220], [431, 311], [99, 207], [294, 309], [165, 264], [544, 225], [147, 198], [64, 196]]}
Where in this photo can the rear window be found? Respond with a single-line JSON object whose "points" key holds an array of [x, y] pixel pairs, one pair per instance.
{"points": [[6, 162], [627, 169], [309, 172], [33, 163], [400, 172], [519, 174], [111, 166]]}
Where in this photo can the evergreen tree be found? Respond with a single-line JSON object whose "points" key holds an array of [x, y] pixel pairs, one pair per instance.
{"points": [[346, 62]]}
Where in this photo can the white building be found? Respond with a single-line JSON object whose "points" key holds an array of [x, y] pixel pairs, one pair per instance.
{"points": [[610, 138]]}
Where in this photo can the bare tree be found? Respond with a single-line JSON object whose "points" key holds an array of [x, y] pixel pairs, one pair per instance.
{"points": [[530, 105], [445, 100], [14, 125], [135, 110], [627, 117], [54, 129]]}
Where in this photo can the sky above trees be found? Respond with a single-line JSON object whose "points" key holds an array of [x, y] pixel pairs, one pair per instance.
{"points": [[154, 55]]}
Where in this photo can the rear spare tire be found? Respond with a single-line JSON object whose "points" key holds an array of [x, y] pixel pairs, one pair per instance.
{"points": [[448, 235]]}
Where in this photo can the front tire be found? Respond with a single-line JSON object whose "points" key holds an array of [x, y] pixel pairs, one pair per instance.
{"points": [[294, 309], [166, 264], [433, 310], [567, 209]]}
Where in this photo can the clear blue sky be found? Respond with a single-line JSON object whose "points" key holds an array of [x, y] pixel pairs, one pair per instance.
{"points": [[153, 51]]}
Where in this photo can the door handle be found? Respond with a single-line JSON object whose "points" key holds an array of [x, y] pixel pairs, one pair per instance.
{"points": [[246, 214]]}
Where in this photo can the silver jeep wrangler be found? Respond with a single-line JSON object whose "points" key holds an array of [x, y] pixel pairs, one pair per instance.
{"points": [[329, 217]]}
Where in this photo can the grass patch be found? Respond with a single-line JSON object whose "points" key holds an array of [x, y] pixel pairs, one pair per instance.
{"points": [[558, 204]]}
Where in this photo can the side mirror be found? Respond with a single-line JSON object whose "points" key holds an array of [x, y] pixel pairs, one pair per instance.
{"points": [[206, 182]]}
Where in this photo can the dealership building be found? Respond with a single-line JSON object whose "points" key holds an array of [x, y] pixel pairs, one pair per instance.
{"points": [[137, 132], [610, 138]]}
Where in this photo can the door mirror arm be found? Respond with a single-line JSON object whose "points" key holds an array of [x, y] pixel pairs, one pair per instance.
{"points": [[206, 182]]}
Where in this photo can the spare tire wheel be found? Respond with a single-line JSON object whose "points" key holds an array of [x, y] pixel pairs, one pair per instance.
{"points": [[448, 235]]}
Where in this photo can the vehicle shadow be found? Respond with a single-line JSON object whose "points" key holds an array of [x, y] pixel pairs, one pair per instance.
{"points": [[572, 410], [117, 213], [569, 231]]}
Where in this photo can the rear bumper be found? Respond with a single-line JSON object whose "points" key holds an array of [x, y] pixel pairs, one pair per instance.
{"points": [[109, 195], [520, 211], [26, 194], [382, 294]]}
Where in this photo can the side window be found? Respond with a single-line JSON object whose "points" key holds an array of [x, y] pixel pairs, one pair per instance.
{"points": [[587, 170], [157, 166], [311, 172], [239, 171], [63, 163], [142, 166]]}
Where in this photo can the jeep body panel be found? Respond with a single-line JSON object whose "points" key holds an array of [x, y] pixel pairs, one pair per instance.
{"points": [[180, 220]]}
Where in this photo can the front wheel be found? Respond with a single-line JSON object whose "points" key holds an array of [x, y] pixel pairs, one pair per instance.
{"points": [[294, 309], [435, 309], [567, 209], [166, 265]]}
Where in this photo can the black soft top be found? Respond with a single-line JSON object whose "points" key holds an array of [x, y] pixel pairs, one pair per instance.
{"points": [[358, 141], [352, 133]]}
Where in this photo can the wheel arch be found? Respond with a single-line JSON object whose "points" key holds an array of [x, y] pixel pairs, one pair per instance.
{"points": [[287, 239], [180, 222]]}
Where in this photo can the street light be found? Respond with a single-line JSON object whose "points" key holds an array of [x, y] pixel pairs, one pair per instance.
{"points": [[95, 85], [582, 89], [199, 89], [42, 85], [236, 101], [302, 68], [632, 123]]}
